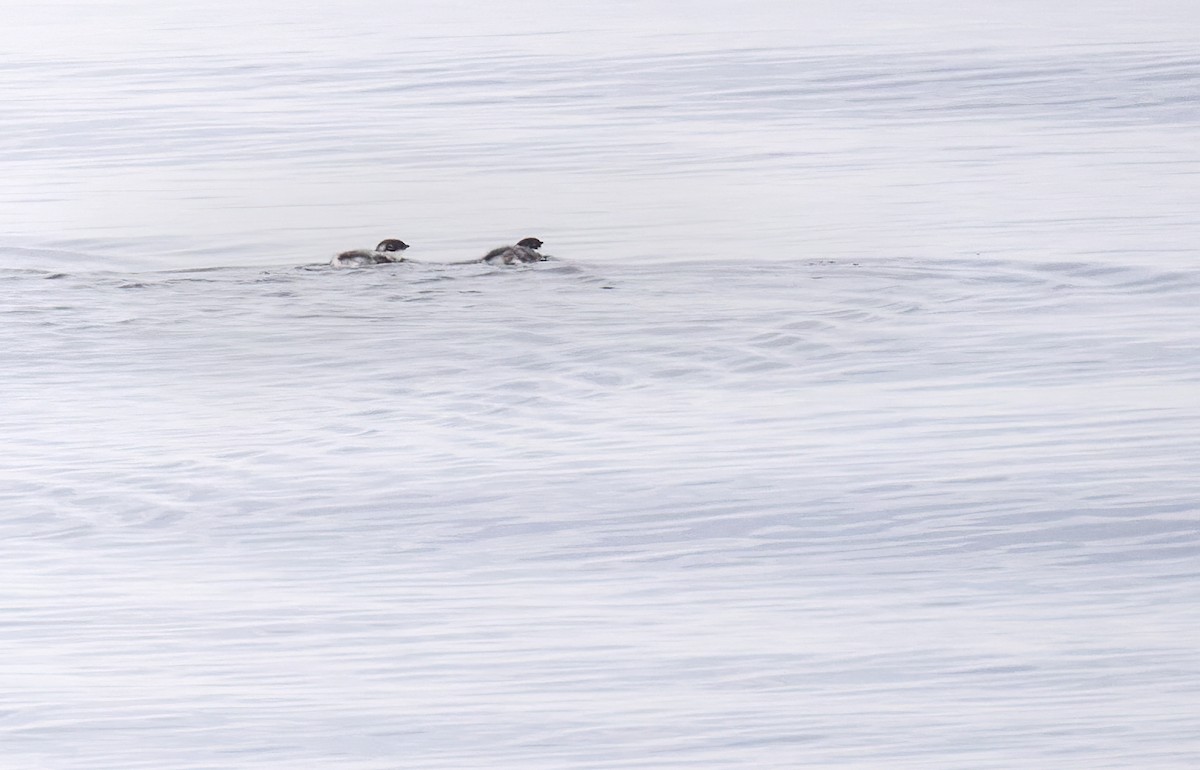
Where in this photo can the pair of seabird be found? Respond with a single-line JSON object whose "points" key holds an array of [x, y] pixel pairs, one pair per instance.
{"points": [[389, 250]]}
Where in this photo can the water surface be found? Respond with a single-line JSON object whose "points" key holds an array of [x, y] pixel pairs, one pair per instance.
{"points": [[854, 425]]}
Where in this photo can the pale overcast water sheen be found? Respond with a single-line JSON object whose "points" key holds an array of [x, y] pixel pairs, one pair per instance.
{"points": [[855, 425]]}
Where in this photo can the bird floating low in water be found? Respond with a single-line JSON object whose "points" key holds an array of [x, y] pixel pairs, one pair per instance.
{"points": [[388, 250], [526, 250]]}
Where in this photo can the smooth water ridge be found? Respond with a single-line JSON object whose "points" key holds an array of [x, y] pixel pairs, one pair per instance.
{"points": [[854, 424]]}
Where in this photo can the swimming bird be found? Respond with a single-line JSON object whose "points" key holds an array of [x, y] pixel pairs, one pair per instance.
{"points": [[388, 250], [526, 250]]}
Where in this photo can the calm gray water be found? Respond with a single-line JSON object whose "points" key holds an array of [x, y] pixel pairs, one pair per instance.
{"points": [[854, 426]]}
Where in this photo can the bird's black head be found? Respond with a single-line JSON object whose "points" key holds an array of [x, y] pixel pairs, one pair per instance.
{"points": [[391, 244], [530, 243]]}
